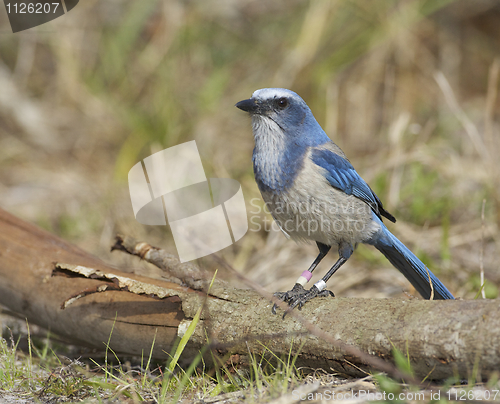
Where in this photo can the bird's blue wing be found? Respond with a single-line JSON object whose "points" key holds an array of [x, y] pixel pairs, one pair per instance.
{"points": [[341, 175]]}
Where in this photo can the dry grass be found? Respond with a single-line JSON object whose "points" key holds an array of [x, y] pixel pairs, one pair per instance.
{"points": [[408, 89]]}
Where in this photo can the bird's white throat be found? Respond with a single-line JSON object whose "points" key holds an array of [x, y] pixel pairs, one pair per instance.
{"points": [[270, 144]]}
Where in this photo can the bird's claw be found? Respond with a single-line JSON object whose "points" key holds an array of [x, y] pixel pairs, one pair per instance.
{"points": [[287, 297], [298, 296]]}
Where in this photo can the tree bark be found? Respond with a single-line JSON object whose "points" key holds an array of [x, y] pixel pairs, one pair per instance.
{"points": [[83, 299]]}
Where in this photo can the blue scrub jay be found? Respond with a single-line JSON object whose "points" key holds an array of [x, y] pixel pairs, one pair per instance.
{"points": [[314, 193]]}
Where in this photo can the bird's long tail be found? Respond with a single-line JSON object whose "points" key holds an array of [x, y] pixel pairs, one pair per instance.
{"points": [[409, 265]]}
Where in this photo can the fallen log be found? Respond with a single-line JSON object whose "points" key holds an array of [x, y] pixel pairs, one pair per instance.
{"points": [[83, 299]]}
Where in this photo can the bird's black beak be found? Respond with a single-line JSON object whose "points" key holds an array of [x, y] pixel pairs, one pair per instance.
{"points": [[248, 105]]}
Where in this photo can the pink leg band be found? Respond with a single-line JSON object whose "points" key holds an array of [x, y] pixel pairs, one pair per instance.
{"points": [[304, 278]]}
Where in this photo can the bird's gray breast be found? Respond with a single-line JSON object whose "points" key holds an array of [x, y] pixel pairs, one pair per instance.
{"points": [[311, 209]]}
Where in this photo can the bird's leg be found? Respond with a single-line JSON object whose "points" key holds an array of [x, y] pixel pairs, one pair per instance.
{"points": [[298, 288], [319, 288]]}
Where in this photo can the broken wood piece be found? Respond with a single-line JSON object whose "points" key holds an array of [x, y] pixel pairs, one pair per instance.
{"points": [[114, 282]]}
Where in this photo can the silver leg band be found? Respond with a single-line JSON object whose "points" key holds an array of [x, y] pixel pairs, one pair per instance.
{"points": [[321, 285]]}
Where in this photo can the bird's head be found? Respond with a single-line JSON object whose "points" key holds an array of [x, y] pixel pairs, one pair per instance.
{"points": [[278, 109], [284, 129]]}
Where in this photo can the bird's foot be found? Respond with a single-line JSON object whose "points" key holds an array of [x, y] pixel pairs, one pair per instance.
{"points": [[298, 296]]}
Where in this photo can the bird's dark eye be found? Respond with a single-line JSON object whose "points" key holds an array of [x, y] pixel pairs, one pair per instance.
{"points": [[282, 103]]}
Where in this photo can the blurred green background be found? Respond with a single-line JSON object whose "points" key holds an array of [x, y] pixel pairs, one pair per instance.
{"points": [[408, 89]]}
